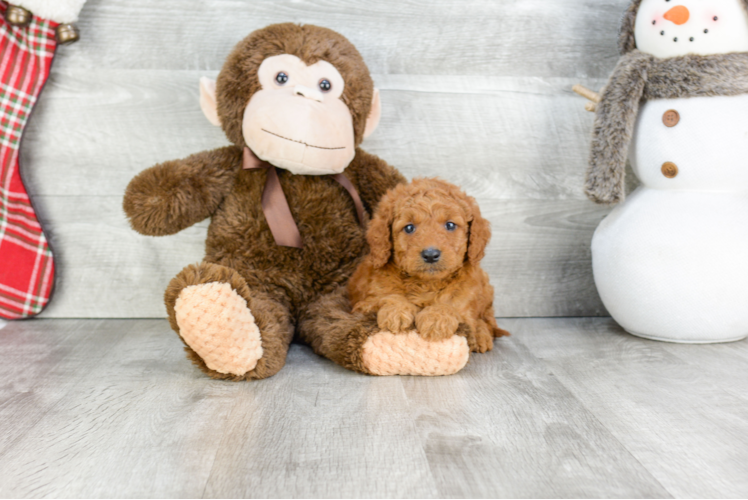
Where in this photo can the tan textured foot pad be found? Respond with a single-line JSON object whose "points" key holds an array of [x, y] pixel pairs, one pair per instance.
{"points": [[216, 323], [409, 354]]}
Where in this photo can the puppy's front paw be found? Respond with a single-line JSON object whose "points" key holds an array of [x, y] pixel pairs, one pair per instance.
{"points": [[396, 316], [481, 341], [436, 323], [365, 307]]}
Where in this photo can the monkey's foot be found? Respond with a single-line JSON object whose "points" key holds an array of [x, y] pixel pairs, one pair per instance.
{"points": [[409, 354], [216, 323]]}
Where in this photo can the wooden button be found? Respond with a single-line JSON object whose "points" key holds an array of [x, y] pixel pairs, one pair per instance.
{"points": [[669, 169], [671, 118]]}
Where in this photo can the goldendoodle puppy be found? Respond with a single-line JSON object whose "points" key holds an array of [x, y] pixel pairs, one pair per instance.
{"points": [[427, 239]]}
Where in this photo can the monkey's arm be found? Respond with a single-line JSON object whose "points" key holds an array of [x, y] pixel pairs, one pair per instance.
{"points": [[372, 176], [174, 195]]}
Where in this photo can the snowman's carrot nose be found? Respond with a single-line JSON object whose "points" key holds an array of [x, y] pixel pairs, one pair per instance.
{"points": [[678, 15]]}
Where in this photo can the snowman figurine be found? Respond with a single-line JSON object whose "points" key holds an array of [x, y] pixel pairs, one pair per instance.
{"points": [[671, 261]]}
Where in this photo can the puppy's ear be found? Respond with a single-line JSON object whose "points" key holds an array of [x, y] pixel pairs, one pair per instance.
{"points": [[480, 234], [379, 235]]}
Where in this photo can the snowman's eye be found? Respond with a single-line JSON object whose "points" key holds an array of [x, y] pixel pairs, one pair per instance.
{"points": [[716, 18]]}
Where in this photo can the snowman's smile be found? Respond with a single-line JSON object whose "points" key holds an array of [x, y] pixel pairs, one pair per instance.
{"points": [[679, 15], [676, 39]]}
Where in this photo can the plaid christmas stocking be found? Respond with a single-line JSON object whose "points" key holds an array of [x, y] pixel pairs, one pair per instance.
{"points": [[26, 263]]}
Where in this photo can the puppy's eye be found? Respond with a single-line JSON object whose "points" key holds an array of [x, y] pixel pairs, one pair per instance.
{"points": [[410, 229], [451, 226], [325, 85], [281, 78]]}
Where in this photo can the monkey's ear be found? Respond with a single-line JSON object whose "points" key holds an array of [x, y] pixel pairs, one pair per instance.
{"points": [[374, 115], [208, 100]]}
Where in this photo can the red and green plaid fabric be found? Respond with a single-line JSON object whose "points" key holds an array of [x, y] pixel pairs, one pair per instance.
{"points": [[26, 265]]}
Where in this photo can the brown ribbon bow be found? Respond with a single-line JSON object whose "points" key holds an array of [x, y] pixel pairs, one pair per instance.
{"points": [[275, 205]]}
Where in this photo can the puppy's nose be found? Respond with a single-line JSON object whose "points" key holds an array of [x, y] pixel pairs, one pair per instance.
{"points": [[431, 255]]}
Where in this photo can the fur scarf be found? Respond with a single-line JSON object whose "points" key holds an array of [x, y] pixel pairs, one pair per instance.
{"points": [[641, 77]]}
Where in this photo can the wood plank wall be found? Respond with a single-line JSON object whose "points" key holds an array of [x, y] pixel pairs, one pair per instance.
{"points": [[475, 91]]}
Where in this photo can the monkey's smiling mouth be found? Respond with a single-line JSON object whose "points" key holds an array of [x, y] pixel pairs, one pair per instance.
{"points": [[300, 142]]}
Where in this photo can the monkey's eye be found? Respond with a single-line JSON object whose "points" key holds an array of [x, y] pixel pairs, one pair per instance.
{"points": [[325, 85], [410, 229], [281, 78], [451, 226]]}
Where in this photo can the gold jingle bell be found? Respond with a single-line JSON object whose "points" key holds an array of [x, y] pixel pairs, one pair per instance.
{"points": [[66, 34], [17, 16]]}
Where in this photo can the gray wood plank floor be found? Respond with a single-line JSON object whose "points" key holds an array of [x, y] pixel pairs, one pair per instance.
{"points": [[563, 408]]}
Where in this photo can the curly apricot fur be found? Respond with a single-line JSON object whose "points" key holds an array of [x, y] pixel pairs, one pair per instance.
{"points": [[396, 281]]}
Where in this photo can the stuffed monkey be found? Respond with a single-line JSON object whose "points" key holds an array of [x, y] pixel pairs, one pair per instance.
{"points": [[288, 201]]}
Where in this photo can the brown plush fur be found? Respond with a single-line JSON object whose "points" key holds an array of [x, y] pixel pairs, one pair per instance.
{"points": [[278, 283], [640, 77], [397, 283], [238, 79], [345, 332]]}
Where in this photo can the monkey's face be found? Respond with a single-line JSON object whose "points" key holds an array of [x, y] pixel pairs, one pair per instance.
{"points": [[299, 96], [297, 120]]}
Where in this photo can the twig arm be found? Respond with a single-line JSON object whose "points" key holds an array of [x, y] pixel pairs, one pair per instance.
{"points": [[591, 95]]}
